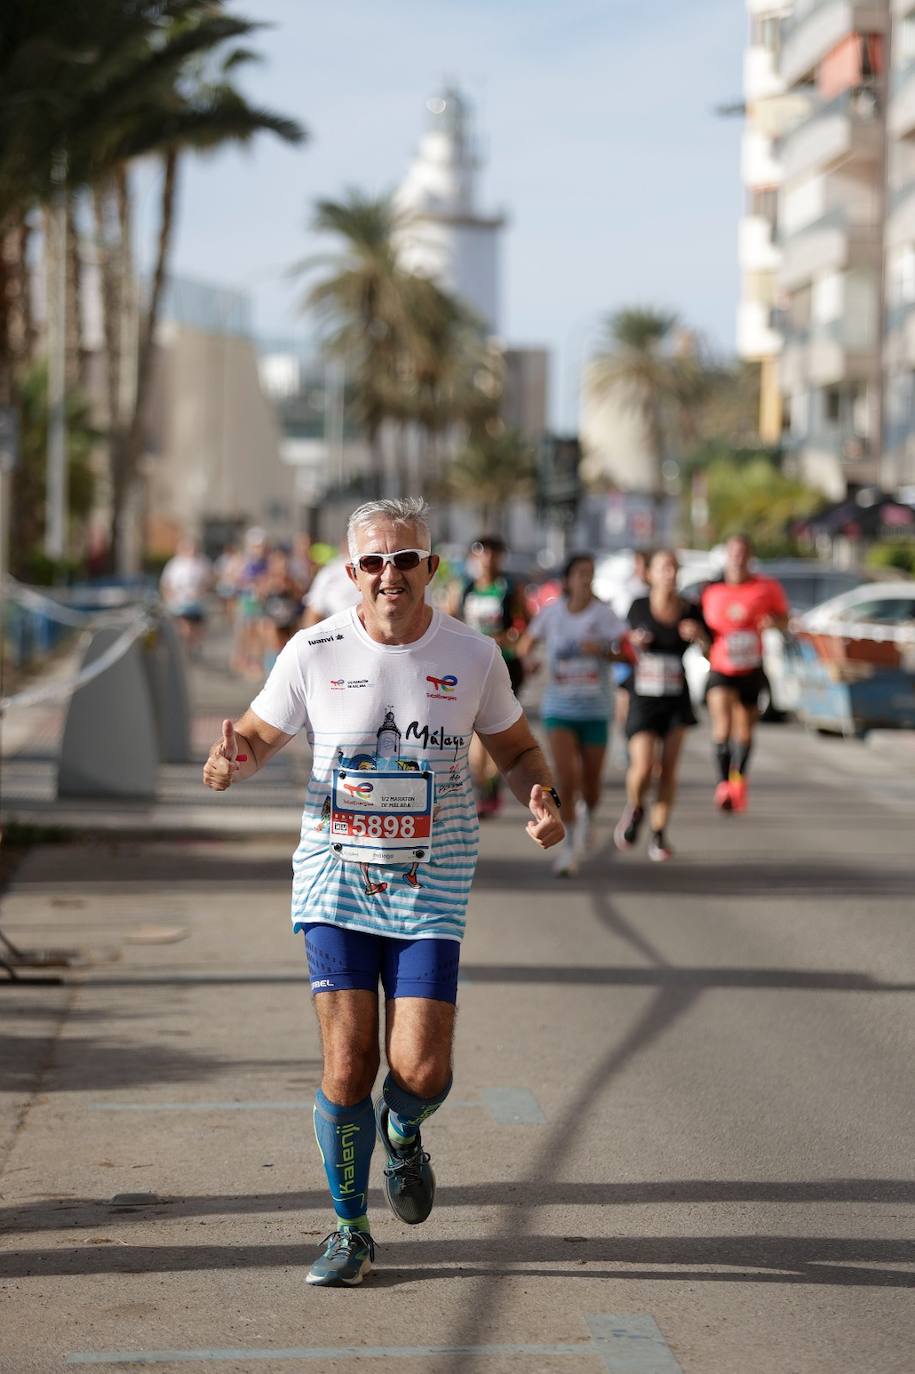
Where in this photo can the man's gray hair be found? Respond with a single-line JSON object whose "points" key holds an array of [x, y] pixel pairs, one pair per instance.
{"points": [[409, 510]]}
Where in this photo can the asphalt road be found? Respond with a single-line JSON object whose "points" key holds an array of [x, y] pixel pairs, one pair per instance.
{"points": [[681, 1133]]}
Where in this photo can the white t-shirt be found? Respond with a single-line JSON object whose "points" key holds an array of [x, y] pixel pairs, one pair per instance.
{"points": [[421, 701], [630, 591], [332, 591], [578, 685], [186, 580]]}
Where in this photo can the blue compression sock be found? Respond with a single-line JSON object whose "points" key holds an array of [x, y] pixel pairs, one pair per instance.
{"points": [[407, 1111], [346, 1138]]}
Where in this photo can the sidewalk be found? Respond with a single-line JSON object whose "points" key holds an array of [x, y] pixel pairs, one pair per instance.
{"points": [[31, 739]]}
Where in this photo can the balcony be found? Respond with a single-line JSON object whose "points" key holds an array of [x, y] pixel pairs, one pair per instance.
{"points": [[832, 243], [845, 130], [901, 115], [827, 354], [759, 164], [757, 250], [761, 77], [818, 25], [756, 337]]}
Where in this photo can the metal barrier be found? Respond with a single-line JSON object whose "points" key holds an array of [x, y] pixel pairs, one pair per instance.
{"points": [[128, 710]]}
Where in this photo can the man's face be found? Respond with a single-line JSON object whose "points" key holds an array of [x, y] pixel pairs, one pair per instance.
{"points": [[737, 559], [394, 598]]}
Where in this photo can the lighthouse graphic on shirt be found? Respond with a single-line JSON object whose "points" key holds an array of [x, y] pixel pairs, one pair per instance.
{"points": [[387, 746]]}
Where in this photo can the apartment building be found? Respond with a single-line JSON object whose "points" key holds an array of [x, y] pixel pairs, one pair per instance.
{"points": [[827, 244], [899, 350], [768, 113]]}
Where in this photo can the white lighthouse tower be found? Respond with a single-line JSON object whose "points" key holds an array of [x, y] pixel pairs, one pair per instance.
{"points": [[444, 235]]}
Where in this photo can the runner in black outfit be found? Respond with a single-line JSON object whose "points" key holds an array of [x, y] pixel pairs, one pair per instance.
{"points": [[663, 625]]}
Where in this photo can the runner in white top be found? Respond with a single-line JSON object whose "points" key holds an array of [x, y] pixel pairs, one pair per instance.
{"points": [[389, 694], [581, 635], [331, 591]]}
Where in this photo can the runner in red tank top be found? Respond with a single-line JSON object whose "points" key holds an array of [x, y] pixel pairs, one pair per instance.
{"points": [[737, 610]]}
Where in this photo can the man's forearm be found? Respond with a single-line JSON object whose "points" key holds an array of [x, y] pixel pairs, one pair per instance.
{"points": [[528, 768], [251, 763]]}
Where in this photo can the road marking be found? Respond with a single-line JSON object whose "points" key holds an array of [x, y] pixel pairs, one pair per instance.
{"points": [[624, 1344], [513, 1107], [632, 1345]]}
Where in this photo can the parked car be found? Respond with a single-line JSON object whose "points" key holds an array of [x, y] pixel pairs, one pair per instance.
{"points": [[806, 585], [851, 662]]}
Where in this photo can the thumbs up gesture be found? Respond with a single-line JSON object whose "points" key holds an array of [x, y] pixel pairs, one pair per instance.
{"points": [[222, 765]]}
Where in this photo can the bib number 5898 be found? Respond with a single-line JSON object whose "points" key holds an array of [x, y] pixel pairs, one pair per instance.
{"points": [[384, 827]]}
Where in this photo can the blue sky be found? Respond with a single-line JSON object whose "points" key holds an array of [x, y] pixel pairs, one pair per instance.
{"points": [[601, 143]]}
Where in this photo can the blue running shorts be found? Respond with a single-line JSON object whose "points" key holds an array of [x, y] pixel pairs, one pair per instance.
{"points": [[339, 958]]}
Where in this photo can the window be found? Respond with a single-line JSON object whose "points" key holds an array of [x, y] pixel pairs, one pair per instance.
{"points": [[766, 32], [886, 610]]}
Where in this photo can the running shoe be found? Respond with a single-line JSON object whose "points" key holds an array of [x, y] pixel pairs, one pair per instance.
{"points": [[346, 1259], [738, 786], [565, 864], [582, 830], [723, 798], [627, 827], [409, 1181], [659, 851]]}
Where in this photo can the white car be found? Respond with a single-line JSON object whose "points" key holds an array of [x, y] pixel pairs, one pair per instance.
{"points": [[875, 604]]}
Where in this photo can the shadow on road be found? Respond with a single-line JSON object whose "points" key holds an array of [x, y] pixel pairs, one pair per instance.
{"points": [[836, 1261], [685, 878], [54, 1213]]}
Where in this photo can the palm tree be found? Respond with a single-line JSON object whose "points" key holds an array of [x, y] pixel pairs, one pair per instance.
{"points": [[104, 83], [638, 366], [496, 468], [362, 305]]}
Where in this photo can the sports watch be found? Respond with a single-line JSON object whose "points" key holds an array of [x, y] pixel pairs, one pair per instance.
{"points": [[551, 792]]}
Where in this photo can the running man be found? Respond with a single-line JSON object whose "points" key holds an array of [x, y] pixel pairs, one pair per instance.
{"points": [[493, 604], [389, 693], [663, 626], [736, 610], [581, 635]]}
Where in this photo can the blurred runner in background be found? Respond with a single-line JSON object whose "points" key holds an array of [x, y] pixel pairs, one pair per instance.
{"points": [[663, 625], [185, 585], [491, 602], [737, 609], [635, 585], [581, 635]]}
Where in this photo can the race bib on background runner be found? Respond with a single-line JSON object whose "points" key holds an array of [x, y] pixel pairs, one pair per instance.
{"points": [[659, 675], [744, 649]]}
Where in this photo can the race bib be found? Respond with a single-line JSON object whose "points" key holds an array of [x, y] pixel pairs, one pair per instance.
{"points": [[577, 672], [484, 613], [744, 649], [381, 817], [659, 675]]}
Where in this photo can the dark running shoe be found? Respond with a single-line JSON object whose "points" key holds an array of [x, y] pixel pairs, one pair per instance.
{"points": [[346, 1258], [409, 1182]]}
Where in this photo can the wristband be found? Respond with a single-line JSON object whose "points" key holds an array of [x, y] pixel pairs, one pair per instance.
{"points": [[551, 792]]}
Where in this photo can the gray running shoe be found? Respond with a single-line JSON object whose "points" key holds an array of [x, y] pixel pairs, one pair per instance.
{"points": [[347, 1257], [409, 1182]]}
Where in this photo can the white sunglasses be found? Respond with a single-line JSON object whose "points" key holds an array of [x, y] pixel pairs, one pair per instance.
{"points": [[404, 560]]}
